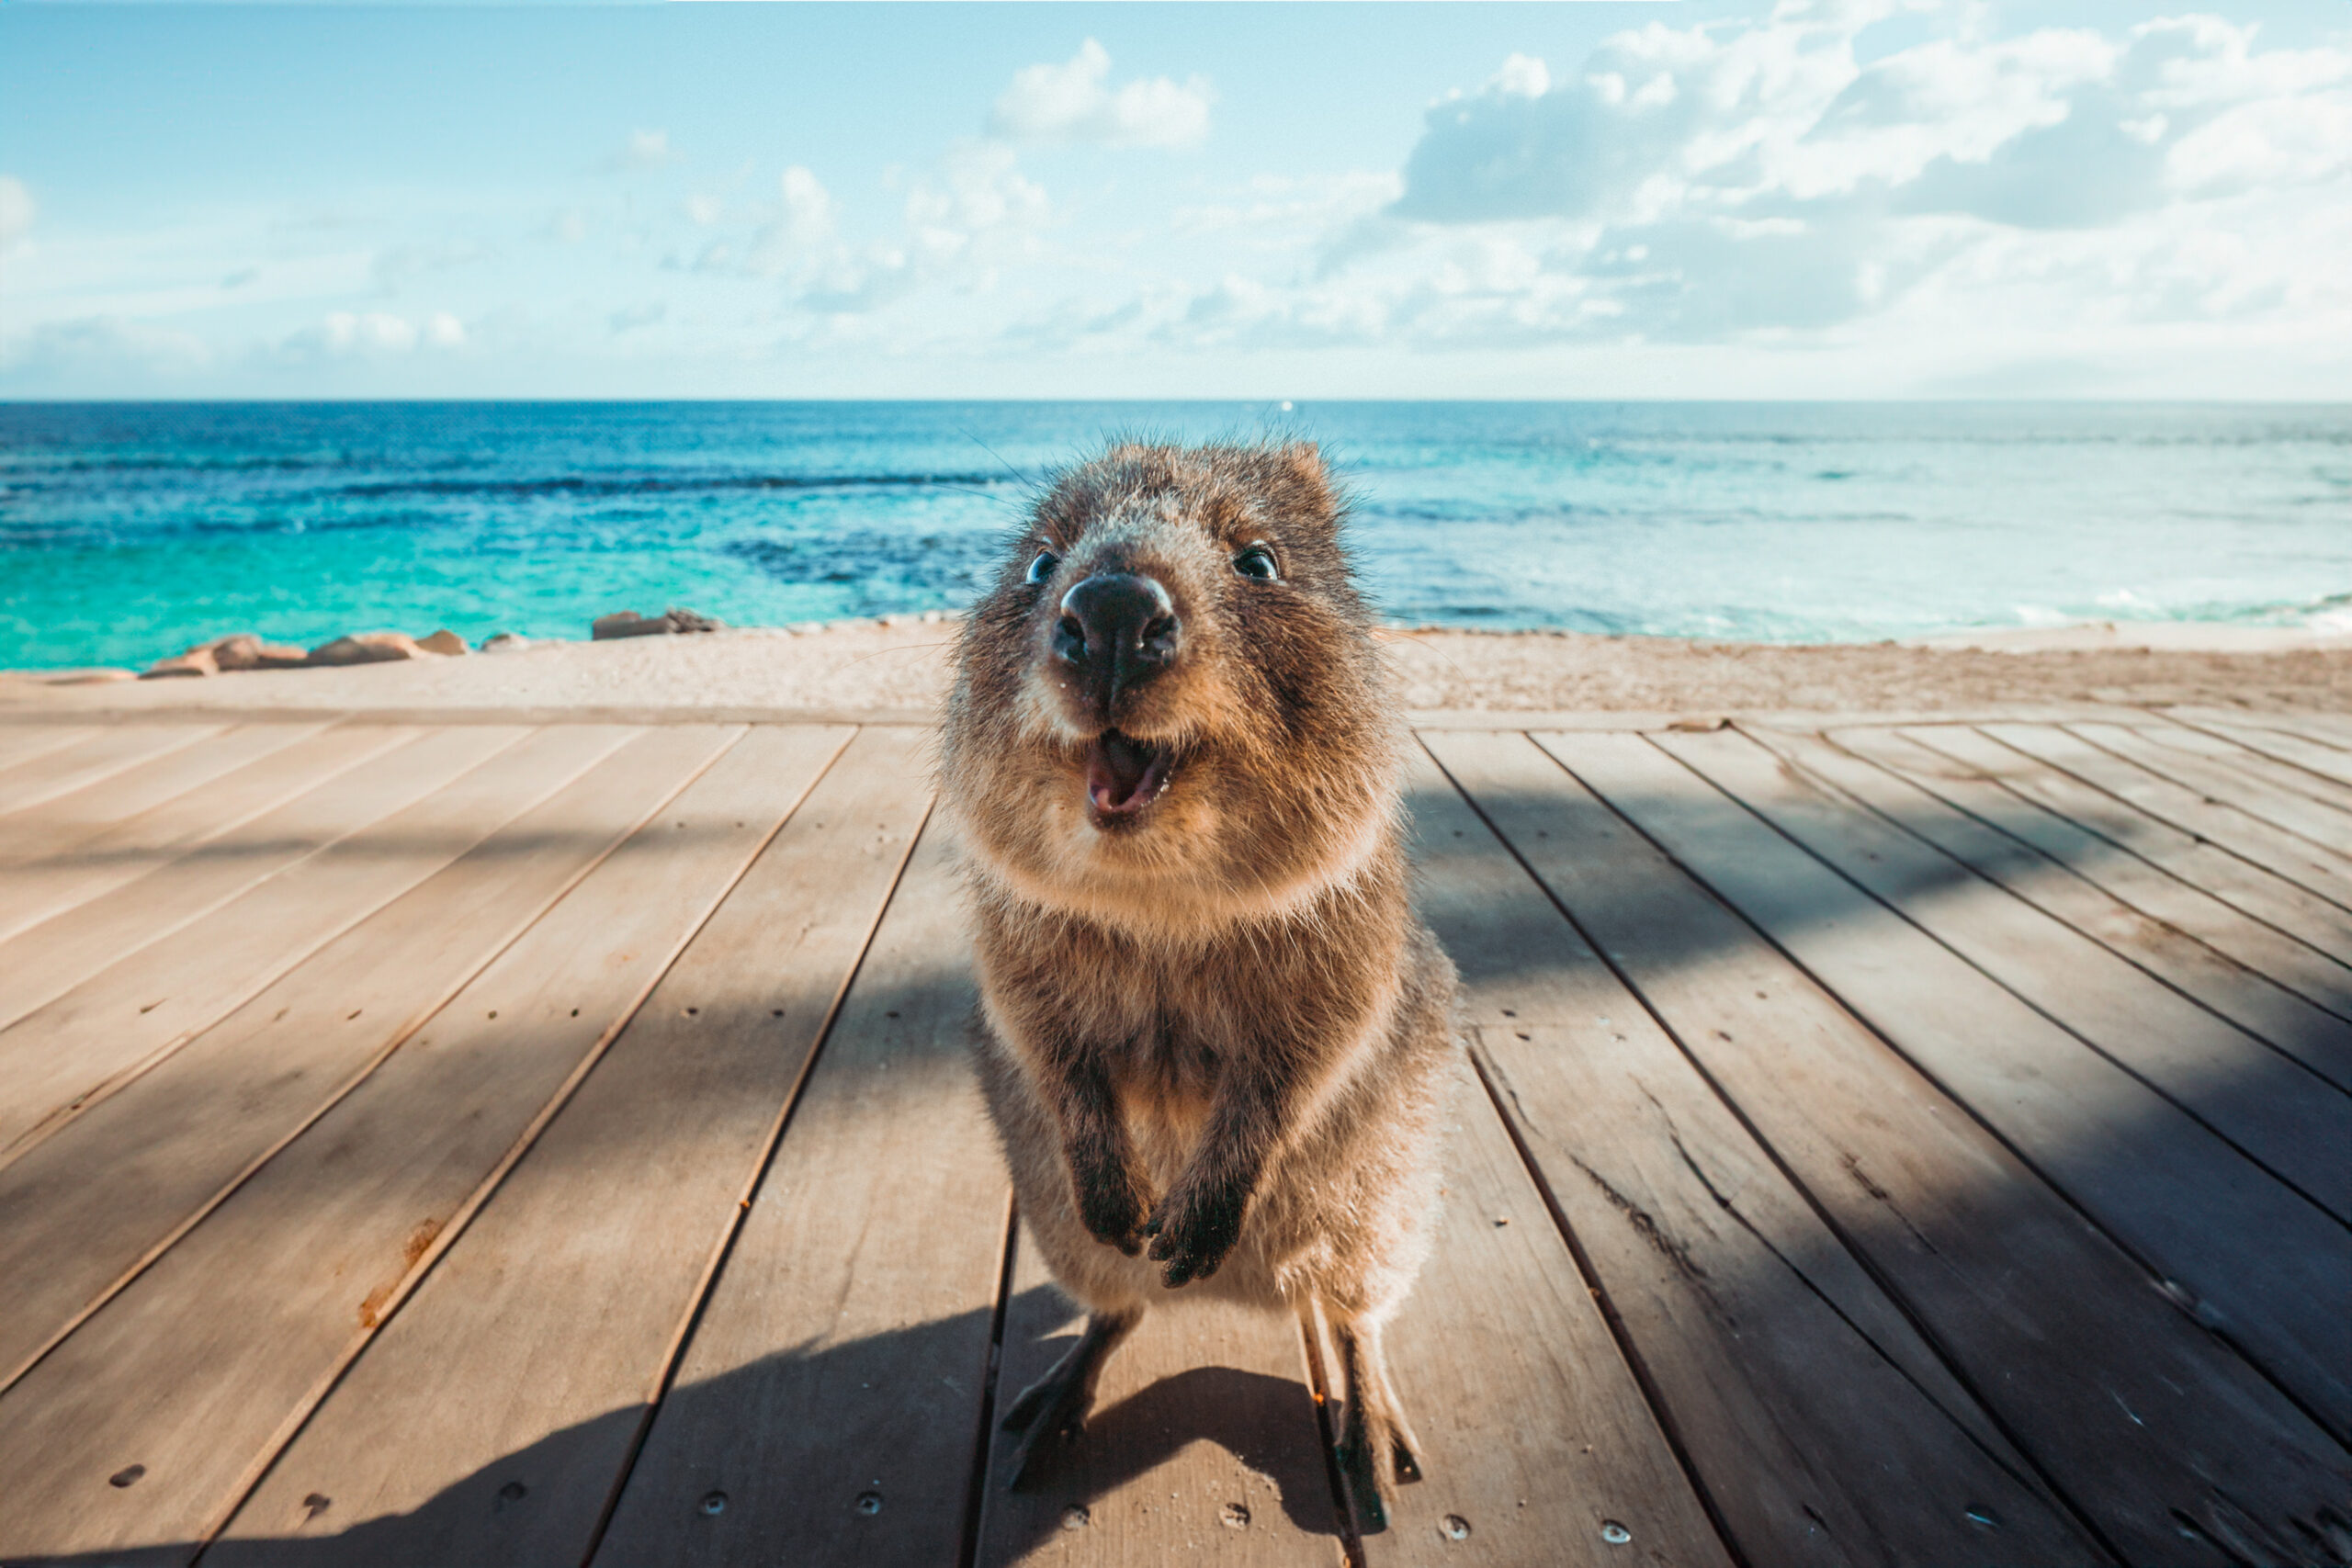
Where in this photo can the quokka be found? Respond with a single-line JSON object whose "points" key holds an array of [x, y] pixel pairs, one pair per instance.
{"points": [[1218, 1045]]}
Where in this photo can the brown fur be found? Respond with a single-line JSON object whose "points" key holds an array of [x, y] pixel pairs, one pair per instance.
{"points": [[1214, 1028]]}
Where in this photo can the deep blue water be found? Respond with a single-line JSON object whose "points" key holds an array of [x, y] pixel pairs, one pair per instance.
{"points": [[129, 531]]}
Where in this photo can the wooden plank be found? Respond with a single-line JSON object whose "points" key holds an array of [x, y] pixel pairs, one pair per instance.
{"points": [[533, 1352], [1823, 1428], [2299, 999], [2249, 838], [22, 742], [83, 1211], [2293, 911], [42, 884], [48, 831], [2254, 761], [45, 962], [210, 1360], [445, 794], [2267, 1265], [831, 1394], [1203, 1440], [2132, 1409], [98, 757], [2330, 764], [1535, 1437], [2241, 781], [2262, 1101]]}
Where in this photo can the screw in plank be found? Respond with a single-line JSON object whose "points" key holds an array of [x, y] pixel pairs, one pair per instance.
{"points": [[714, 1504], [1076, 1517], [1454, 1526], [1614, 1533], [868, 1503]]}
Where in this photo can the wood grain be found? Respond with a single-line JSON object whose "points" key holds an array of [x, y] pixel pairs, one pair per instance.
{"points": [[20, 743], [2298, 998], [54, 828], [209, 1362], [2260, 1099], [360, 846], [1825, 1429], [43, 963], [2313, 759], [2242, 834], [83, 1211], [531, 1355], [2291, 911], [96, 756], [78, 867], [2240, 783], [2253, 761], [1204, 1443], [829, 1398], [2219, 1232], [2129, 1407]]}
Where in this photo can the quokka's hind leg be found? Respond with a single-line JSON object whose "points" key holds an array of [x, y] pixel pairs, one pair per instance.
{"points": [[1377, 1448], [1055, 1406]]}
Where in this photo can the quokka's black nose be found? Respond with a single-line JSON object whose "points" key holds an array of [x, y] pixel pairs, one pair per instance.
{"points": [[1118, 630]]}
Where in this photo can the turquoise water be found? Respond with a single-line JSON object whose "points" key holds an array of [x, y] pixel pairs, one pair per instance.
{"points": [[131, 531]]}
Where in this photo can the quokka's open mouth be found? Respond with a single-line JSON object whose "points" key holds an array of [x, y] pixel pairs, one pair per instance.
{"points": [[1124, 775]]}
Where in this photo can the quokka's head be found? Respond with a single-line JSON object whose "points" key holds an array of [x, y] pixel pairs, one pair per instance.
{"points": [[1169, 708]]}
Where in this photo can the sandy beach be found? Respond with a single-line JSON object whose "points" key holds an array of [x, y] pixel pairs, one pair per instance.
{"points": [[898, 667]]}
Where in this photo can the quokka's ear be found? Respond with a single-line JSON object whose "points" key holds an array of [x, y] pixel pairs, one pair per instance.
{"points": [[1305, 459]]}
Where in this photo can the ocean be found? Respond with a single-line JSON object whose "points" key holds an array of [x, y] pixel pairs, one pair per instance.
{"points": [[130, 531]]}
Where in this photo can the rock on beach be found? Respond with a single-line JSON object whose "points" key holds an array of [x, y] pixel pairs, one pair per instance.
{"points": [[629, 623]]}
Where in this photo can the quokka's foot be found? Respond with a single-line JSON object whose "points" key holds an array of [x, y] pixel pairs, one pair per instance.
{"points": [[1053, 1410], [1377, 1451], [1369, 1480]]}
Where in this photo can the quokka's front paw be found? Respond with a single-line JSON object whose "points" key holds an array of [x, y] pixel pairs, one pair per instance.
{"points": [[1192, 1231], [1112, 1208]]}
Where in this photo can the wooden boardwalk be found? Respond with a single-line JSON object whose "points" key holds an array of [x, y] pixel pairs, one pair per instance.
{"points": [[556, 1143]]}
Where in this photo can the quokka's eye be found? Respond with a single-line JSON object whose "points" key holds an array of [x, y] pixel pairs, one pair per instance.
{"points": [[1043, 567], [1257, 563]]}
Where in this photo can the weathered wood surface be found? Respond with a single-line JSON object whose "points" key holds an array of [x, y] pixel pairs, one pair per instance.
{"points": [[2293, 996], [2254, 1097], [81, 1213], [1822, 1427], [2294, 911], [2258, 763], [526, 1358], [207, 1361], [826, 1408], [1881, 1146], [56, 829], [94, 756], [2313, 758]]}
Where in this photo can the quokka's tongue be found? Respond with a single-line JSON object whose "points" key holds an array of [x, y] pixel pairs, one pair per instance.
{"points": [[1118, 771]]}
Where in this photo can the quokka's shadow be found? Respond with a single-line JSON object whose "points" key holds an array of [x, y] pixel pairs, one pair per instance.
{"points": [[800, 1469]]}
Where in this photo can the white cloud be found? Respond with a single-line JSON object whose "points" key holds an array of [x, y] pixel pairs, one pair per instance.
{"points": [[980, 187], [1073, 102], [442, 330], [345, 335], [16, 211], [644, 150], [1522, 76], [1731, 177], [704, 208]]}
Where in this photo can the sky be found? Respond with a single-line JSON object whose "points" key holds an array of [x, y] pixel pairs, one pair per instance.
{"points": [[1856, 199]]}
